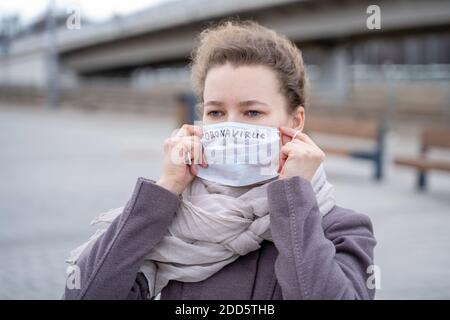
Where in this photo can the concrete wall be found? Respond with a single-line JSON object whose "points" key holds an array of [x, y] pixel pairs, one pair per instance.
{"points": [[27, 69]]}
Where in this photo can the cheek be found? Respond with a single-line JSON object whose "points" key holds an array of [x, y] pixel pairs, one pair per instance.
{"points": [[280, 118]]}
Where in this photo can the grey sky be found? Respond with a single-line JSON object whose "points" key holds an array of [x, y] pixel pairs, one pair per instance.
{"points": [[93, 10]]}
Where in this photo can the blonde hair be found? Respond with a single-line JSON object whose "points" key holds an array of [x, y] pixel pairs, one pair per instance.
{"points": [[249, 43]]}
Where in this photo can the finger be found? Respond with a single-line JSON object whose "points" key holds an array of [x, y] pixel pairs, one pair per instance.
{"points": [[176, 150], [290, 132], [205, 160], [193, 169], [287, 134], [292, 148], [285, 151], [281, 162], [198, 151], [288, 148], [285, 138], [188, 149], [195, 148], [193, 153], [187, 152], [305, 138], [192, 166], [286, 131], [189, 130], [301, 143]]}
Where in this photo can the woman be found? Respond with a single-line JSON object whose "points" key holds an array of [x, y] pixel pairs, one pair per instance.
{"points": [[185, 237]]}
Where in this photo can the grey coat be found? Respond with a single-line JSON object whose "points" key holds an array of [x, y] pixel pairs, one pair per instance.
{"points": [[311, 257]]}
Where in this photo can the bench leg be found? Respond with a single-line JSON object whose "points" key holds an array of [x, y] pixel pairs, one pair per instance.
{"points": [[378, 166], [421, 180], [379, 155], [378, 169]]}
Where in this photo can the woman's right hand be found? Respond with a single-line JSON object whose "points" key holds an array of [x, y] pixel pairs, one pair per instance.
{"points": [[180, 150]]}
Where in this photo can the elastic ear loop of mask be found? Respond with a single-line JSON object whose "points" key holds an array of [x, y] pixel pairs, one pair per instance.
{"points": [[295, 135]]}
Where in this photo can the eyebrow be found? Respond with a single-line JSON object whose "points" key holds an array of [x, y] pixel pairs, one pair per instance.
{"points": [[245, 103]]}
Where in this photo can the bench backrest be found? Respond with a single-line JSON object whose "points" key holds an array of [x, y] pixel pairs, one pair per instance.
{"points": [[436, 137], [368, 129]]}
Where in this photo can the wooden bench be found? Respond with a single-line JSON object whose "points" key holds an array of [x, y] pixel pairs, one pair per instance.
{"points": [[373, 130], [431, 138]]}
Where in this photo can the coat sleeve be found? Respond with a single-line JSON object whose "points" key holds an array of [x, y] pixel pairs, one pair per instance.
{"points": [[317, 262], [109, 267]]}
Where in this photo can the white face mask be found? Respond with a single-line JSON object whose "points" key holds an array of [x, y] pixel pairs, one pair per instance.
{"points": [[239, 154]]}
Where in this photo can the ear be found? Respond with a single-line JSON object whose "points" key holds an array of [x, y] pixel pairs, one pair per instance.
{"points": [[298, 118]]}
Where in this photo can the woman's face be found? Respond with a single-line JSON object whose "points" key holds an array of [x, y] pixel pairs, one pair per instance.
{"points": [[247, 94]]}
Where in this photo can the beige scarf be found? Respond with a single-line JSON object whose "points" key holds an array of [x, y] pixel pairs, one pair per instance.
{"points": [[213, 226]]}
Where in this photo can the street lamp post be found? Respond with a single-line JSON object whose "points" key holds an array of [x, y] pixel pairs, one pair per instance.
{"points": [[52, 59]]}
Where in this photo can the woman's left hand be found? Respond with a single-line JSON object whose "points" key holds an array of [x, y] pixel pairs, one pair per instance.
{"points": [[299, 156]]}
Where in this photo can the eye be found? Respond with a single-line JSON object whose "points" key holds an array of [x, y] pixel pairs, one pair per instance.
{"points": [[215, 113], [253, 113]]}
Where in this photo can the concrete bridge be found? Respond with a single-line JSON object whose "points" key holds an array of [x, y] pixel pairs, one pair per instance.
{"points": [[164, 35]]}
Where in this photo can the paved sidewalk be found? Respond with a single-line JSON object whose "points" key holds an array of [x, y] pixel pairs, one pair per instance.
{"points": [[58, 170]]}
